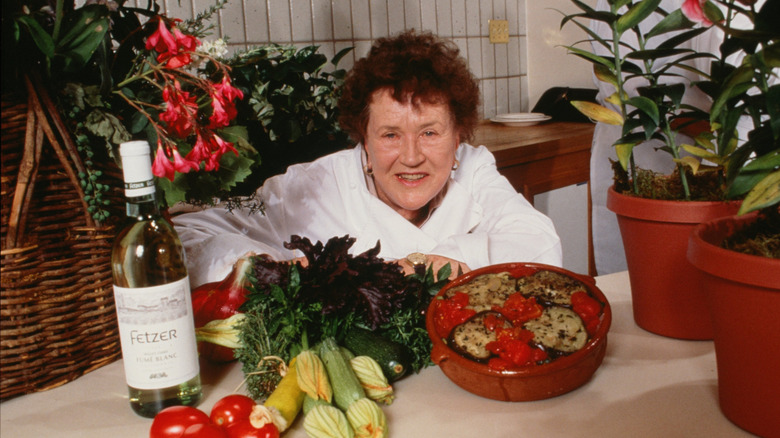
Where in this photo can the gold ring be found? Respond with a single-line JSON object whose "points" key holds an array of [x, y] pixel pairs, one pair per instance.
{"points": [[416, 259]]}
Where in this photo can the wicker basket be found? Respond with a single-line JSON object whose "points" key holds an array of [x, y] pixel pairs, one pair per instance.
{"points": [[57, 315]]}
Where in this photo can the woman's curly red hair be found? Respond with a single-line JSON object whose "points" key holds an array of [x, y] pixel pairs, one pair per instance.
{"points": [[415, 66]]}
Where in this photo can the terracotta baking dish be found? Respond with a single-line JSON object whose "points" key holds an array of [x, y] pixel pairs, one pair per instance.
{"points": [[534, 382]]}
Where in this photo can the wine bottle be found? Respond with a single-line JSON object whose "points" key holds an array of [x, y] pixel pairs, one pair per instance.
{"points": [[152, 295]]}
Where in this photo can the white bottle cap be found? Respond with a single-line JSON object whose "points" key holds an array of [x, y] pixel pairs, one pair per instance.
{"points": [[137, 168]]}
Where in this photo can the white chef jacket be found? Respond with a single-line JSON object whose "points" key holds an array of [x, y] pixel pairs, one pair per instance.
{"points": [[480, 221]]}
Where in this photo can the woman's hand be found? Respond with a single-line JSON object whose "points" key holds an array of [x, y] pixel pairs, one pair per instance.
{"points": [[437, 261]]}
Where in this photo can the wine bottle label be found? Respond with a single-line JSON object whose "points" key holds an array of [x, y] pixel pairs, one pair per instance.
{"points": [[157, 334]]}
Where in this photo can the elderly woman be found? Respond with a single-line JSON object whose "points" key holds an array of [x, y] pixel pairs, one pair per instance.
{"points": [[410, 184]]}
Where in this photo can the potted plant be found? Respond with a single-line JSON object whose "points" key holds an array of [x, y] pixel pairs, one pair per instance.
{"points": [[643, 57], [740, 255], [88, 78]]}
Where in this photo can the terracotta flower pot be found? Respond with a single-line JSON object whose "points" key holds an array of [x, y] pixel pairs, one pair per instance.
{"points": [[744, 298], [665, 288]]}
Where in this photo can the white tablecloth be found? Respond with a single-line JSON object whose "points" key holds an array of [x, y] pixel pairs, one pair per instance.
{"points": [[648, 386]]}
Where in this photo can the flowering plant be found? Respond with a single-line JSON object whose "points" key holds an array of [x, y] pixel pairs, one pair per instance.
{"points": [[654, 56], [122, 72]]}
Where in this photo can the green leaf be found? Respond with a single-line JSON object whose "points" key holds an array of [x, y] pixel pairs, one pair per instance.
{"points": [[138, 122], [740, 76], [40, 37], [681, 37], [764, 194], [773, 108], [767, 162], [343, 52], [596, 59], [636, 14], [752, 173], [174, 192], [87, 28], [647, 106], [713, 12], [233, 170], [676, 20]]}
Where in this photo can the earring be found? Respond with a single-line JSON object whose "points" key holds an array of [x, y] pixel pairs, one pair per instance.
{"points": [[456, 164], [368, 171]]}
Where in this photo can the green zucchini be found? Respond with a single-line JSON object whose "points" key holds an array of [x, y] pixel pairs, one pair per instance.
{"points": [[346, 385], [309, 403], [394, 358]]}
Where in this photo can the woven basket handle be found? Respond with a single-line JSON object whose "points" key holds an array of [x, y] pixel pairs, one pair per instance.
{"points": [[39, 109]]}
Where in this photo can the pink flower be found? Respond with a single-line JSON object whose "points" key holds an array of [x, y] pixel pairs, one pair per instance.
{"points": [[200, 150], [209, 150], [172, 48], [183, 165], [228, 91], [180, 110], [186, 42], [222, 102], [161, 41], [694, 10], [162, 166], [174, 60], [219, 117]]}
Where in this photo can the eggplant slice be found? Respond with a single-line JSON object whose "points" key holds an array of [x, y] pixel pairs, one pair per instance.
{"points": [[470, 338], [550, 288], [558, 328]]}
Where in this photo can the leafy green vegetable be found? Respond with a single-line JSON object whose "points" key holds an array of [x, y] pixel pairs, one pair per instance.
{"points": [[292, 307]]}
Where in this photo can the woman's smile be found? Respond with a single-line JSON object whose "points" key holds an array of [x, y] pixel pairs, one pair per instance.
{"points": [[411, 177]]}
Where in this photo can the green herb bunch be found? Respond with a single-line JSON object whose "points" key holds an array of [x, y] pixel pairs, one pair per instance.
{"points": [[293, 307]]}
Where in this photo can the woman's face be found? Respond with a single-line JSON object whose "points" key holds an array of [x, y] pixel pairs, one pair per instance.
{"points": [[411, 151]]}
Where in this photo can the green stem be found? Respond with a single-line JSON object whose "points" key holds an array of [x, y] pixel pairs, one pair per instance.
{"points": [[58, 14], [304, 339], [620, 89], [672, 144]]}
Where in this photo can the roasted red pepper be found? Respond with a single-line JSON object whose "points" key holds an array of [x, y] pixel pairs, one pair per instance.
{"points": [[513, 348], [221, 300], [451, 312], [519, 309], [588, 309]]}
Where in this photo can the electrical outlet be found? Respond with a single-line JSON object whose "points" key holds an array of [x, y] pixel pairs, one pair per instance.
{"points": [[499, 31]]}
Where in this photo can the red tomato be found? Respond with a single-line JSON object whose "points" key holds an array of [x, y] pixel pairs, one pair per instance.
{"points": [[172, 421], [588, 309], [451, 312], [584, 304], [207, 430], [244, 429], [519, 309], [230, 409]]}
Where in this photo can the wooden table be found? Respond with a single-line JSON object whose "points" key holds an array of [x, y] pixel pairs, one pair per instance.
{"points": [[647, 386], [540, 158]]}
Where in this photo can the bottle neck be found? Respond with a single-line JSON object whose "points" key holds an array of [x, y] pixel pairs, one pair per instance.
{"points": [[142, 207]]}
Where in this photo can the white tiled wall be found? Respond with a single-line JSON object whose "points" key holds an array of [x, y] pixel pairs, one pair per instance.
{"points": [[335, 24]]}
